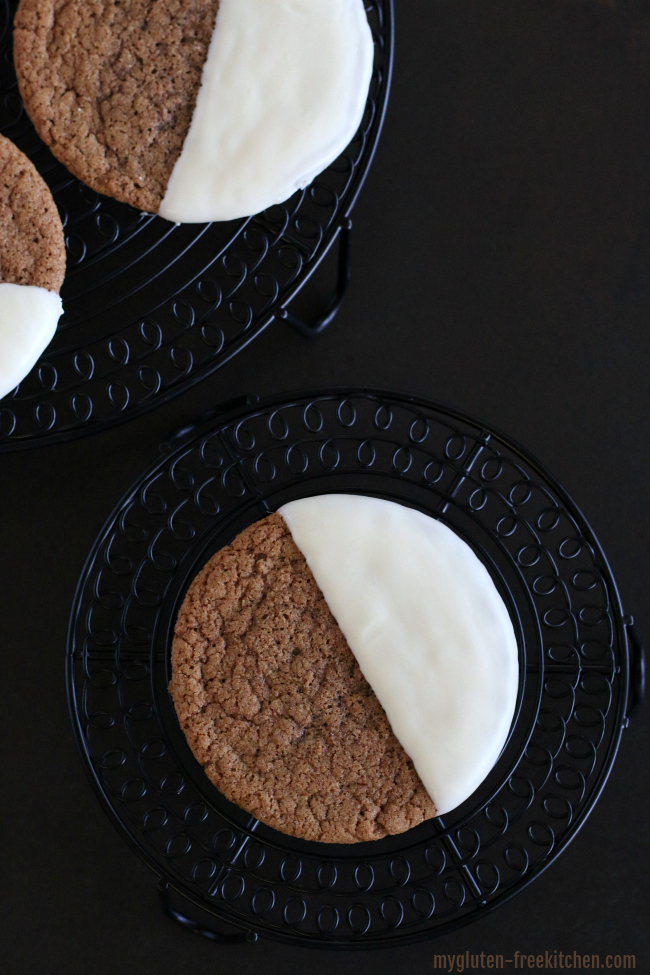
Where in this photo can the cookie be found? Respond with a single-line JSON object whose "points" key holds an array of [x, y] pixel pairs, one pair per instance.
{"points": [[273, 703], [32, 266], [32, 248], [111, 85], [195, 109]]}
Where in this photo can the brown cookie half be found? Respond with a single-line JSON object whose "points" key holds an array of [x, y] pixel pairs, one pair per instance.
{"points": [[32, 248], [273, 703], [111, 86]]}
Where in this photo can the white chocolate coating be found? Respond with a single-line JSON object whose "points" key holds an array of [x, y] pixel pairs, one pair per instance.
{"points": [[282, 94], [424, 620], [28, 320]]}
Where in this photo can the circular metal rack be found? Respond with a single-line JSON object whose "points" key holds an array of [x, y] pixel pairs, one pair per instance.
{"points": [[228, 876], [152, 308]]}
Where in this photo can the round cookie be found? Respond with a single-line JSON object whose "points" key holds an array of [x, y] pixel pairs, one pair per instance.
{"points": [[111, 86], [273, 703], [32, 248]]}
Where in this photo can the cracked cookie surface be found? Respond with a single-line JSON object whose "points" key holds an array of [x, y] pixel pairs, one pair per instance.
{"points": [[273, 703], [32, 248], [111, 86]]}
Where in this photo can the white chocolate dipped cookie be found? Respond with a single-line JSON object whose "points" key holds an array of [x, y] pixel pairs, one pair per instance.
{"points": [[345, 669], [32, 266], [195, 110]]}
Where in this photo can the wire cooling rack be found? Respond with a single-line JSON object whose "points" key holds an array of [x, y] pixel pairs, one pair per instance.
{"points": [[222, 873], [152, 308]]}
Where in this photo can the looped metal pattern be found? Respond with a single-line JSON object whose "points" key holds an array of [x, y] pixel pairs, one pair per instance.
{"points": [[574, 668]]}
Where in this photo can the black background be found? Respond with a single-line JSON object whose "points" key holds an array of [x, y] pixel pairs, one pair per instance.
{"points": [[501, 264]]}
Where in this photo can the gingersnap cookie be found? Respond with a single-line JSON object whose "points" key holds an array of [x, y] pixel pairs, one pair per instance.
{"points": [[345, 668], [32, 266], [273, 703], [195, 109], [32, 248], [111, 85]]}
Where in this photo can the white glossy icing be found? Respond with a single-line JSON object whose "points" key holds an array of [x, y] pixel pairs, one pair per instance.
{"points": [[282, 94], [431, 633], [28, 319]]}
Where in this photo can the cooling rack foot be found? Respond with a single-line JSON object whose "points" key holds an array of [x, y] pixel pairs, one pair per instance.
{"points": [[637, 669], [331, 309], [237, 938]]}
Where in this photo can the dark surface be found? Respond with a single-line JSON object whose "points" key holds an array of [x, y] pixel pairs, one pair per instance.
{"points": [[501, 263]]}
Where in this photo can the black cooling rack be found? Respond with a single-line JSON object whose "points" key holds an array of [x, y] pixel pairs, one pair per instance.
{"points": [[222, 873], [152, 308]]}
